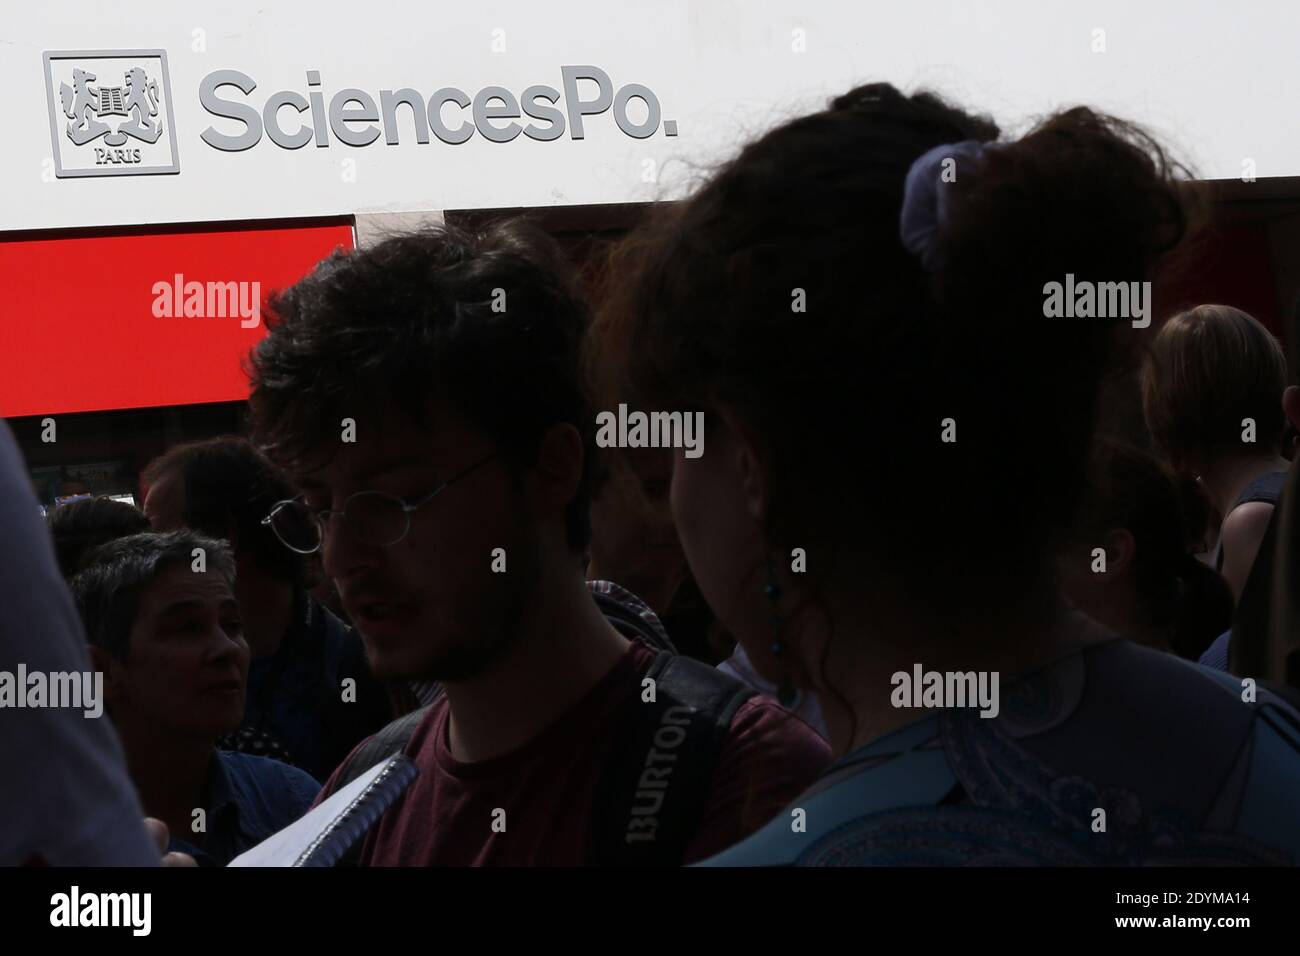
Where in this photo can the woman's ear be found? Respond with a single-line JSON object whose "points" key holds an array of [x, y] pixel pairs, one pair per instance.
{"points": [[750, 459], [1121, 550]]}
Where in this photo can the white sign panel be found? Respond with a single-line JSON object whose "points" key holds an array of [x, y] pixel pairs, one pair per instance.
{"points": [[167, 111]]}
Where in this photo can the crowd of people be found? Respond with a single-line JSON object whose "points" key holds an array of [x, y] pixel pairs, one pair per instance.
{"points": [[908, 467]]}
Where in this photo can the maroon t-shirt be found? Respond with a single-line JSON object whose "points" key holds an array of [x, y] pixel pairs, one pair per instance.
{"points": [[547, 787]]}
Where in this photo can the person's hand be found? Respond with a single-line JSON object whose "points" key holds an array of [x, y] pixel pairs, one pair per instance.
{"points": [[158, 830]]}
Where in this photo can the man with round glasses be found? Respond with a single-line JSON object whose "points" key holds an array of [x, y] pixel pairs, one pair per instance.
{"points": [[426, 396]]}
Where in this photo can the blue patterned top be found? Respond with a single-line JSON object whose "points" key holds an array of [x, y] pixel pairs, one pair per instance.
{"points": [[1184, 772]]}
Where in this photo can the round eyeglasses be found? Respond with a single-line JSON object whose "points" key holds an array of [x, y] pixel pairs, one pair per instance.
{"points": [[373, 517]]}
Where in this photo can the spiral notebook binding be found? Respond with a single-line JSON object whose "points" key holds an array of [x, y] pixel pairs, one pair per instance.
{"points": [[359, 815]]}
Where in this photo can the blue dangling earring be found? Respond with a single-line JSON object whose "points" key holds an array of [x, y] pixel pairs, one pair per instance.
{"points": [[786, 693]]}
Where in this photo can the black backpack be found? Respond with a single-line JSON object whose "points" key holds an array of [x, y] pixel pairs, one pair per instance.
{"points": [[651, 795]]}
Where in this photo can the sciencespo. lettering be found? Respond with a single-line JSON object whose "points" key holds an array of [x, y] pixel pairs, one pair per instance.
{"points": [[442, 113]]}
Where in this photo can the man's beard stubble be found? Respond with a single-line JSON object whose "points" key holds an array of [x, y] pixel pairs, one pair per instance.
{"points": [[471, 655]]}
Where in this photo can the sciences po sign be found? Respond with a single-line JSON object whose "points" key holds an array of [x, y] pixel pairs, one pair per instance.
{"points": [[111, 112]]}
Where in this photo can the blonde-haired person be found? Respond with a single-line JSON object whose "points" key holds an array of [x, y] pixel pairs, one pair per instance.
{"points": [[1212, 388]]}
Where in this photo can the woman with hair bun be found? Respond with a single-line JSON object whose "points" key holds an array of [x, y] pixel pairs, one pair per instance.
{"points": [[896, 446]]}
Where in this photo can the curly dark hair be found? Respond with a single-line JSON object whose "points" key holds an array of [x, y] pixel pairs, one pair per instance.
{"points": [[413, 319], [847, 398]]}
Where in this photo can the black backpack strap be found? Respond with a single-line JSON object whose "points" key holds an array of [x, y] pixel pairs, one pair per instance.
{"points": [[651, 795], [392, 739]]}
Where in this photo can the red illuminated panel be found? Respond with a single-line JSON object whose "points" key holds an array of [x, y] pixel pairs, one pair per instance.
{"points": [[78, 329]]}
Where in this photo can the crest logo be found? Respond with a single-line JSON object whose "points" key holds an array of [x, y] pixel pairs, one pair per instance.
{"points": [[110, 113]]}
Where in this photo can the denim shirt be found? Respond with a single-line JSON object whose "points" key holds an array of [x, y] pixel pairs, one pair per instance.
{"points": [[247, 799]]}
